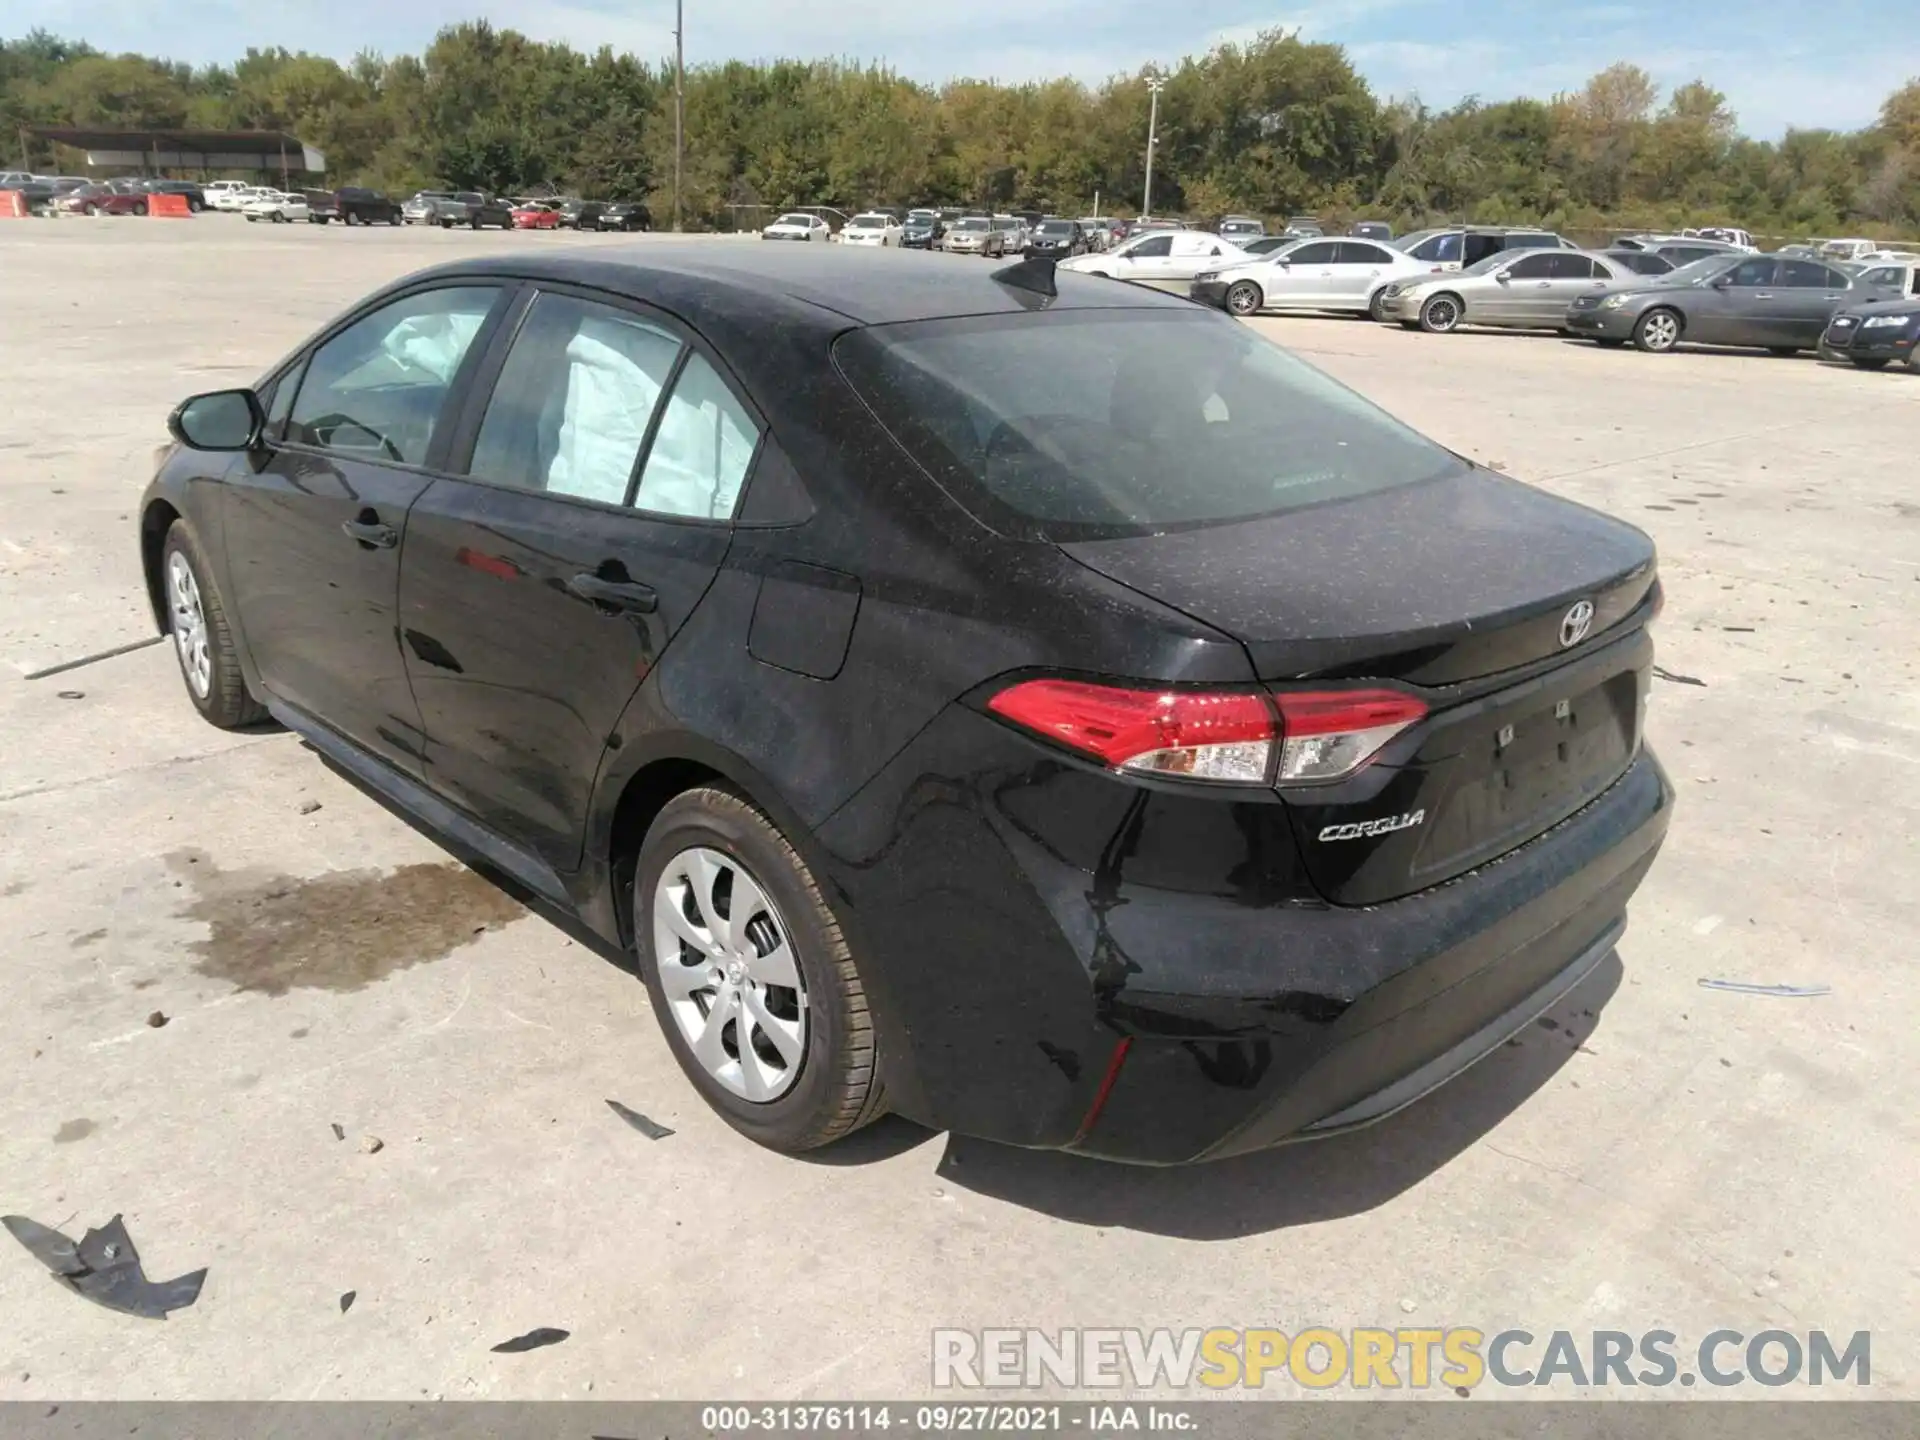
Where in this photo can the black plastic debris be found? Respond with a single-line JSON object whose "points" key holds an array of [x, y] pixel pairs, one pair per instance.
{"points": [[639, 1122], [532, 1340], [104, 1267], [1660, 672], [339, 1131], [346, 1301]]}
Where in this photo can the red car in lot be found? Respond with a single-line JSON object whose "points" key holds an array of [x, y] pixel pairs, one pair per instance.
{"points": [[536, 216], [103, 200]]}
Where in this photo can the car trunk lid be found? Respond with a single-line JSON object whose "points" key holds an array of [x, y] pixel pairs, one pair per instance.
{"points": [[1515, 616]]}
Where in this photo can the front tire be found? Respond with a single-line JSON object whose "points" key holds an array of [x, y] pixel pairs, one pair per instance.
{"points": [[1657, 331], [202, 638], [750, 976], [1441, 315], [1244, 298]]}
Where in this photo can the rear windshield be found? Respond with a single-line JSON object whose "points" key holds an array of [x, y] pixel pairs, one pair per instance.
{"points": [[1103, 423]]}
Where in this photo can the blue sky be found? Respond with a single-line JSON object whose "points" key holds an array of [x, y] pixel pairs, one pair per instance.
{"points": [[1780, 62]]}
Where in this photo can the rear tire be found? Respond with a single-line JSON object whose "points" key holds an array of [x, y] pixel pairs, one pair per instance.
{"points": [[202, 638], [1377, 305], [698, 850], [141, 208]]}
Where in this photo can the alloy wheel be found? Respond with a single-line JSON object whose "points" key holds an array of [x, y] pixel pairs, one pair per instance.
{"points": [[1244, 298], [1660, 330], [729, 974], [189, 625], [1442, 314]]}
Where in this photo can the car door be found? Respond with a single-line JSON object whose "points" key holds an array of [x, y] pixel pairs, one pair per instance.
{"points": [[1193, 252], [1739, 307], [1569, 276], [1310, 272], [313, 531], [1514, 291], [1358, 269], [1145, 259], [540, 588], [1809, 294]]}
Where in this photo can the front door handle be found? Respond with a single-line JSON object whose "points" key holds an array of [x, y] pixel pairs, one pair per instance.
{"points": [[621, 595], [369, 530]]}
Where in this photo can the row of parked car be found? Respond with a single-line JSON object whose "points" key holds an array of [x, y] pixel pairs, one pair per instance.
{"points": [[1653, 292]]}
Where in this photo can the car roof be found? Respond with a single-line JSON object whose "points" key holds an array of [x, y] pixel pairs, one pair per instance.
{"points": [[867, 287]]}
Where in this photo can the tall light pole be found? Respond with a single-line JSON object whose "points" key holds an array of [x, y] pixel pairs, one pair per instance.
{"points": [[1155, 84], [679, 100]]}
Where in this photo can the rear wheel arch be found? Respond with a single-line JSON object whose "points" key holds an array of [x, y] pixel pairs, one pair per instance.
{"points": [[671, 766]]}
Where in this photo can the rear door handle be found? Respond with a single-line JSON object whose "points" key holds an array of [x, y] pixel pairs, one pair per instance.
{"points": [[623, 595], [371, 532]]}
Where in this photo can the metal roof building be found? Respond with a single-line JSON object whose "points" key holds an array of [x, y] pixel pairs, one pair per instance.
{"points": [[264, 150]]}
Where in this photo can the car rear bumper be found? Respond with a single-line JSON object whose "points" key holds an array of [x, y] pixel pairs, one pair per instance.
{"points": [[1063, 960]]}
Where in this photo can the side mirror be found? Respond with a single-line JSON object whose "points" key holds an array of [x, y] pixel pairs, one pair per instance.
{"points": [[220, 420], [1722, 282], [1505, 277]]}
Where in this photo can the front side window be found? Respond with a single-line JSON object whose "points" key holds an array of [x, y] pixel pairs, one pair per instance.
{"points": [[570, 410], [1085, 424], [1752, 274], [377, 389], [1532, 267], [1151, 248], [1321, 252]]}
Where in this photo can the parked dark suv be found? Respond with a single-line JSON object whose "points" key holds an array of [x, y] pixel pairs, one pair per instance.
{"points": [[997, 695], [357, 206], [581, 214]]}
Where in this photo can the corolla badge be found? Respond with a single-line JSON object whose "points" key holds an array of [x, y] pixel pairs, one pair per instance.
{"points": [[1575, 624], [1367, 829]]}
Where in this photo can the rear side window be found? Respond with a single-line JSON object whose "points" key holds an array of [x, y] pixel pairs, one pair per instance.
{"points": [[1355, 252], [1809, 275], [571, 408], [1441, 248], [1101, 423], [703, 450], [376, 390]]}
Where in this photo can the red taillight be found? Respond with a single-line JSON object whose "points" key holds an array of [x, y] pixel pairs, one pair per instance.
{"points": [[1332, 733], [1195, 734], [1218, 735]]}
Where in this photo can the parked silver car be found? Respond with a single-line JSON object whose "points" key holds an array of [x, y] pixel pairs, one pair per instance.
{"points": [[1323, 274], [1520, 289]]}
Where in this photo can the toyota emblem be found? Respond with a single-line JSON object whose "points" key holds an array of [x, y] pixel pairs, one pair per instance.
{"points": [[1575, 624]]}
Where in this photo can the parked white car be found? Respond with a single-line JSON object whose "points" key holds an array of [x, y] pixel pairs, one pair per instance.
{"points": [[277, 206], [225, 194], [1167, 259], [1016, 232], [872, 229], [1343, 274], [1845, 250], [798, 226]]}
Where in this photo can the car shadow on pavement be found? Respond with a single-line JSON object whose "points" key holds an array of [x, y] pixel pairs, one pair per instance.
{"points": [[1300, 1184]]}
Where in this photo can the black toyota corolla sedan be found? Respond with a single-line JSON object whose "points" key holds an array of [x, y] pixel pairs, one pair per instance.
{"points": [[1045, 709]]}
